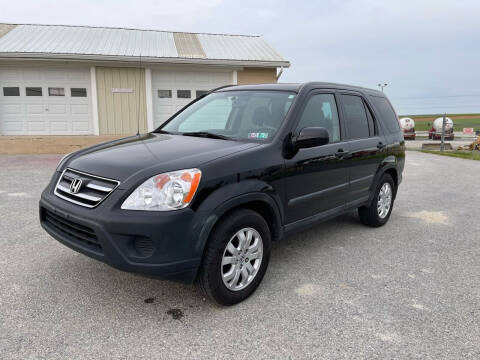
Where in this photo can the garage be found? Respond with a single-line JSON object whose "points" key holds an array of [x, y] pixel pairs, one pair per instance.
{"points": [[36, 100], [173, 89], [87, 85]]}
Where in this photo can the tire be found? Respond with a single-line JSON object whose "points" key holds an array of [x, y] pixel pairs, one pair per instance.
{"points": [[212, 273], [371, 215]]}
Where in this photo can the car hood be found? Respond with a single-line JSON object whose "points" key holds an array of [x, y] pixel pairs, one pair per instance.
{"points": [[156, 152]]}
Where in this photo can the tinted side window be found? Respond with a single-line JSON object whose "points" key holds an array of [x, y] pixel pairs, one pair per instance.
{"points": [[355, 117], [386, 113], [321, 111]]}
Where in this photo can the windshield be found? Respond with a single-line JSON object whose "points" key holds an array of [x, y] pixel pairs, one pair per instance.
{"points": [[236, 115]]}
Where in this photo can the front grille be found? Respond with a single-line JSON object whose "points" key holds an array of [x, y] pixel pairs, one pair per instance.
{"points": [[71, 230], [91, 189]]}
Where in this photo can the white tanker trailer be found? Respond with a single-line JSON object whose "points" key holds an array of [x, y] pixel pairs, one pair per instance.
{"points": [[408, 128], [435, 132]]}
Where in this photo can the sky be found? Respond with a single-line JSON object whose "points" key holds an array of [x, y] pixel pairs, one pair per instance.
{"points": [[426, 51]]}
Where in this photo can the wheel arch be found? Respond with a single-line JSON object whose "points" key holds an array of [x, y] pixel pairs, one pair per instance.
{"points": [[259, 202], [388, 166], [394, 174]]}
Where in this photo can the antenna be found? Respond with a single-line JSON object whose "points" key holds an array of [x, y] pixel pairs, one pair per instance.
{"points": [[139, 104]]}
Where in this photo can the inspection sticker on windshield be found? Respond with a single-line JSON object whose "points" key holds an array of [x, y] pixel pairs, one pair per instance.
{"points": [[258, 135]]}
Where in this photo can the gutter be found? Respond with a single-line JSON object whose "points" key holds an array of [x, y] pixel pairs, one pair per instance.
{"points": [[150, 60]]}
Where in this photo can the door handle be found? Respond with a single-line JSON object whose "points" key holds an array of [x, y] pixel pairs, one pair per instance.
{"points": [[381, 145], [340, 153]]}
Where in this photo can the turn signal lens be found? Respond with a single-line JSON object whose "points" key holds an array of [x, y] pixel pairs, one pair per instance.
{"points": [[169, 191], [193, 187]]}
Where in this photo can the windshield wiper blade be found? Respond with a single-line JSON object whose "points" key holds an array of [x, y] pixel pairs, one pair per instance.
{"points": [[161, 132], [206, 134]]}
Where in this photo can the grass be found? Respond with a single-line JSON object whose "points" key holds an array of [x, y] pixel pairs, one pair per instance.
{"points": [[471, 155], [460, 121]]}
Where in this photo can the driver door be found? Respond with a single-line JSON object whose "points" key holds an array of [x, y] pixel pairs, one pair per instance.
{"points": [[317, 177]]}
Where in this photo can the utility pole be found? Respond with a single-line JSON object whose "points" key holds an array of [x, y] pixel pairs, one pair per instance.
{"points": [[381, 86], [442, 144]]}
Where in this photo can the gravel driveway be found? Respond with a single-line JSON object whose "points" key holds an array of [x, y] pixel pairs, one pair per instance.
{"points": [[410, 289]]}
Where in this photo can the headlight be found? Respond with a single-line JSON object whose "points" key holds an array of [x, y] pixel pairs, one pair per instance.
{"points": [[163, 192]]}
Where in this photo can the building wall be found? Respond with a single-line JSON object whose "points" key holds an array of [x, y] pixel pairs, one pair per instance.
{"points": [[122, 108], [115, 114], [192, 79], [15, 145], [257, 76]]}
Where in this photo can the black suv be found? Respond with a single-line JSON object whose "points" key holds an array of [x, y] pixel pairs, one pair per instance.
{"points": [[202, 197]]}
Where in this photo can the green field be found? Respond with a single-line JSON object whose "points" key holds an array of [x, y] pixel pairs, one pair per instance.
{"points": [[460, 121], [471, 155]]}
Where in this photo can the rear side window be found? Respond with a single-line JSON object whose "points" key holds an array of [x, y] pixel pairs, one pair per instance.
{"points": [[386, 113], [355, 117], [321, 111]]}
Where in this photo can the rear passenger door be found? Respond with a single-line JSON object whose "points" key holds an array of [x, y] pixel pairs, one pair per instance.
{"points": [[366, 146]]}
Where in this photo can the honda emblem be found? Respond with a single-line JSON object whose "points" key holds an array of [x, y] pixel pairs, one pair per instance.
{"points": [[76, 185]]}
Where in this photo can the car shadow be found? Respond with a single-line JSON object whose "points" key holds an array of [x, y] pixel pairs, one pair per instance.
{"points": [[109, 287]]}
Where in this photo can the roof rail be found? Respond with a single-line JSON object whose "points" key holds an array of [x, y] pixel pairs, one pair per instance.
{"points": [[220, 87]]}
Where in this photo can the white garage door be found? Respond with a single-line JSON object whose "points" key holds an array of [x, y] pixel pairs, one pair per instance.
{"points": [[173, 89], [45, 101]]}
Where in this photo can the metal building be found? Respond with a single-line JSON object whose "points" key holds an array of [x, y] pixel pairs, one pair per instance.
{"points": [[77, 80]]}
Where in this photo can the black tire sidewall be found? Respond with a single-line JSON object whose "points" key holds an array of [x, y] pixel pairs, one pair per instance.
{"points": [[220, 237]]}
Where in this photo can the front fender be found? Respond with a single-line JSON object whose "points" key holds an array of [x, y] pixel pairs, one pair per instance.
{"points": [[235, 195]]}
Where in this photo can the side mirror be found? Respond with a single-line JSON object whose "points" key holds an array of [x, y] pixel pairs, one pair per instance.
{"points": [[311, 137]]}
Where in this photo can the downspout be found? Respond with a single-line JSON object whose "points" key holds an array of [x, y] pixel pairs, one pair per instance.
{"points": [[280, 73]]}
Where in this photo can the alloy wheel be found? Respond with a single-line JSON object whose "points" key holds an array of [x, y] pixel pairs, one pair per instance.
{"points": [[242, 259], [384, 200]]}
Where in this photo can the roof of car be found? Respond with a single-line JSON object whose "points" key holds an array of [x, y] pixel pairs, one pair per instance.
{"points": [[296, 87]]}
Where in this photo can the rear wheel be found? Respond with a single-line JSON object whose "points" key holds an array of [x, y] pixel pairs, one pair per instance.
{"points": [[236, 257], [378, 211]]}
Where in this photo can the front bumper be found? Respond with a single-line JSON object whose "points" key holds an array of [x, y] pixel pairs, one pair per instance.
{"points": [[163, 244]]}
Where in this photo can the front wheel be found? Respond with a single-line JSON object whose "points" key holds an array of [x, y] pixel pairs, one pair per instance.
{"points": [[378, 211], [236, 257]]}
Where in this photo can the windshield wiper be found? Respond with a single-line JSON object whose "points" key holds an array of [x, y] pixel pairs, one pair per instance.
{"points": [[206, 134], [161, 132]]}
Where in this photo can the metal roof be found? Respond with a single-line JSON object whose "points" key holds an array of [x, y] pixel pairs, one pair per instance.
{"points": [[100, 43]]}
